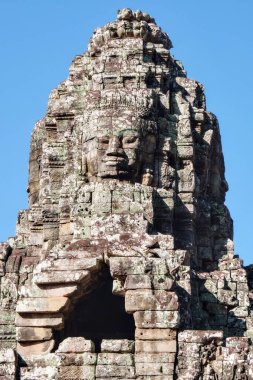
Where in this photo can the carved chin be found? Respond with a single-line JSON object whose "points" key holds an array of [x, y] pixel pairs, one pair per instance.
{"points": [[114, 169], [114, 173]]}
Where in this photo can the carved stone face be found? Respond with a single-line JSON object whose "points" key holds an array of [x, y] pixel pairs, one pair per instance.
{"points": [[114, 155], [119, 145]]}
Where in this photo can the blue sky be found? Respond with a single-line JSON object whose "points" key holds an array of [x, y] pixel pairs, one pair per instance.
{"points": [[213, 39]]}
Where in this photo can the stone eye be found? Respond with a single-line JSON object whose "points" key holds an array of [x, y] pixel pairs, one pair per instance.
{"points": [[104, 140], [129, 139]]}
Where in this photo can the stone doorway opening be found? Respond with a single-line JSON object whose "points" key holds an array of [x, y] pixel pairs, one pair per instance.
{"points": [[99, 315]]}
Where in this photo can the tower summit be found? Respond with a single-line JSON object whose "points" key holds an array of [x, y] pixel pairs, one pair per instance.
{"points": [[123, 265]]}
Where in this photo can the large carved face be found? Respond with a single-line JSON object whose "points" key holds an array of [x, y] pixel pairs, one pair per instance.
{"points": [[119, 150]]}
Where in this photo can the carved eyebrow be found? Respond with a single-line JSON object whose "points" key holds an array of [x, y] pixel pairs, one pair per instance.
{"points": [[133, 131], [89, 139]]}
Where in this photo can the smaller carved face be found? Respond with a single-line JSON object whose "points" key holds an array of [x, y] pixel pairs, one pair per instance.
{"points": [[117, 155]]}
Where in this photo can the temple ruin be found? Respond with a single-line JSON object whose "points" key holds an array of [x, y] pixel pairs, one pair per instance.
{"points": [[123, 265]]}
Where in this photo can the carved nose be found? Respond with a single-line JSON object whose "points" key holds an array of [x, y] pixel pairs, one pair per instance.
{"points": [[114, 148]]}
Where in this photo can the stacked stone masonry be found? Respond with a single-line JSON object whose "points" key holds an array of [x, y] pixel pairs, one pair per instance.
{"points": [[126, 175]]}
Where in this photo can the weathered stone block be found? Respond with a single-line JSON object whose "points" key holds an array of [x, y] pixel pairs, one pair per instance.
{"points": [[37, 320], [7, 356], [48, 291], [76, 345], [120, 266], [7, 317], [161, 357], [38, 373], [200, 336], [138, 282], [162, 282], [115, 359], [33, 334], [8, 370], [189, 350], [77, 372], [61, 277], [157, 319], [117, 345], [150, 300], [125, 372], [28, 349], [155, 346], [154, 369], [155, 334], [72, 359], [44, 360], [42, 305], [71, 264]]}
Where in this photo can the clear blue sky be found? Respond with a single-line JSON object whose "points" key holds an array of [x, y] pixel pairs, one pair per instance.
{"points": [[213, 39]]}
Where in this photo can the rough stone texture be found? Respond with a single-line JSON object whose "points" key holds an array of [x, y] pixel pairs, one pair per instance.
{"points": [[126, 171], [76, 345]]}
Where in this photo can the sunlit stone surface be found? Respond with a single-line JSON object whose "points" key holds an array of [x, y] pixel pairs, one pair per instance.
{"points": [[123, 265]]}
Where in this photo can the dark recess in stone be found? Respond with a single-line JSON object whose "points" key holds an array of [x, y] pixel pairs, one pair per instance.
{"points": [[100, 315]]}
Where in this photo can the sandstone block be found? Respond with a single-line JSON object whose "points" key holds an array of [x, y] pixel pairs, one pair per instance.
{"points": [[227, 297], [162, 282], [7, 369], [126, 266], [240, 312], [7, 356], [61, 277], [38, 373], [154, 346], [72, 359], [71, 264], [155, 334], [76, 345], [7, 317], [42, 305], [200, 336], [46, 291], [157, 319], [237, 341], [125, 372], [161, 357], [115, 359], [8, 331], [121, 266], [189, 350], [154, 369], [150, 300], [138, 282], [117, 345], [33, 334], [86, 372], [239, 275], [37, 320], [230, 264], [9, 377], [28, 349], [45, 360]]}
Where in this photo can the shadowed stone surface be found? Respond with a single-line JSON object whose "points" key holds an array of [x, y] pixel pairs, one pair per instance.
{"points": [[126, 186]]}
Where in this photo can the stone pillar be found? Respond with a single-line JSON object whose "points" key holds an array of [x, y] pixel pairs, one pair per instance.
{"points": [[116, 360], [155, 308]]}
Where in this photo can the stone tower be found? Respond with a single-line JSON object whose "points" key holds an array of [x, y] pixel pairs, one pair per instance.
{"points": [[123, 265]]}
